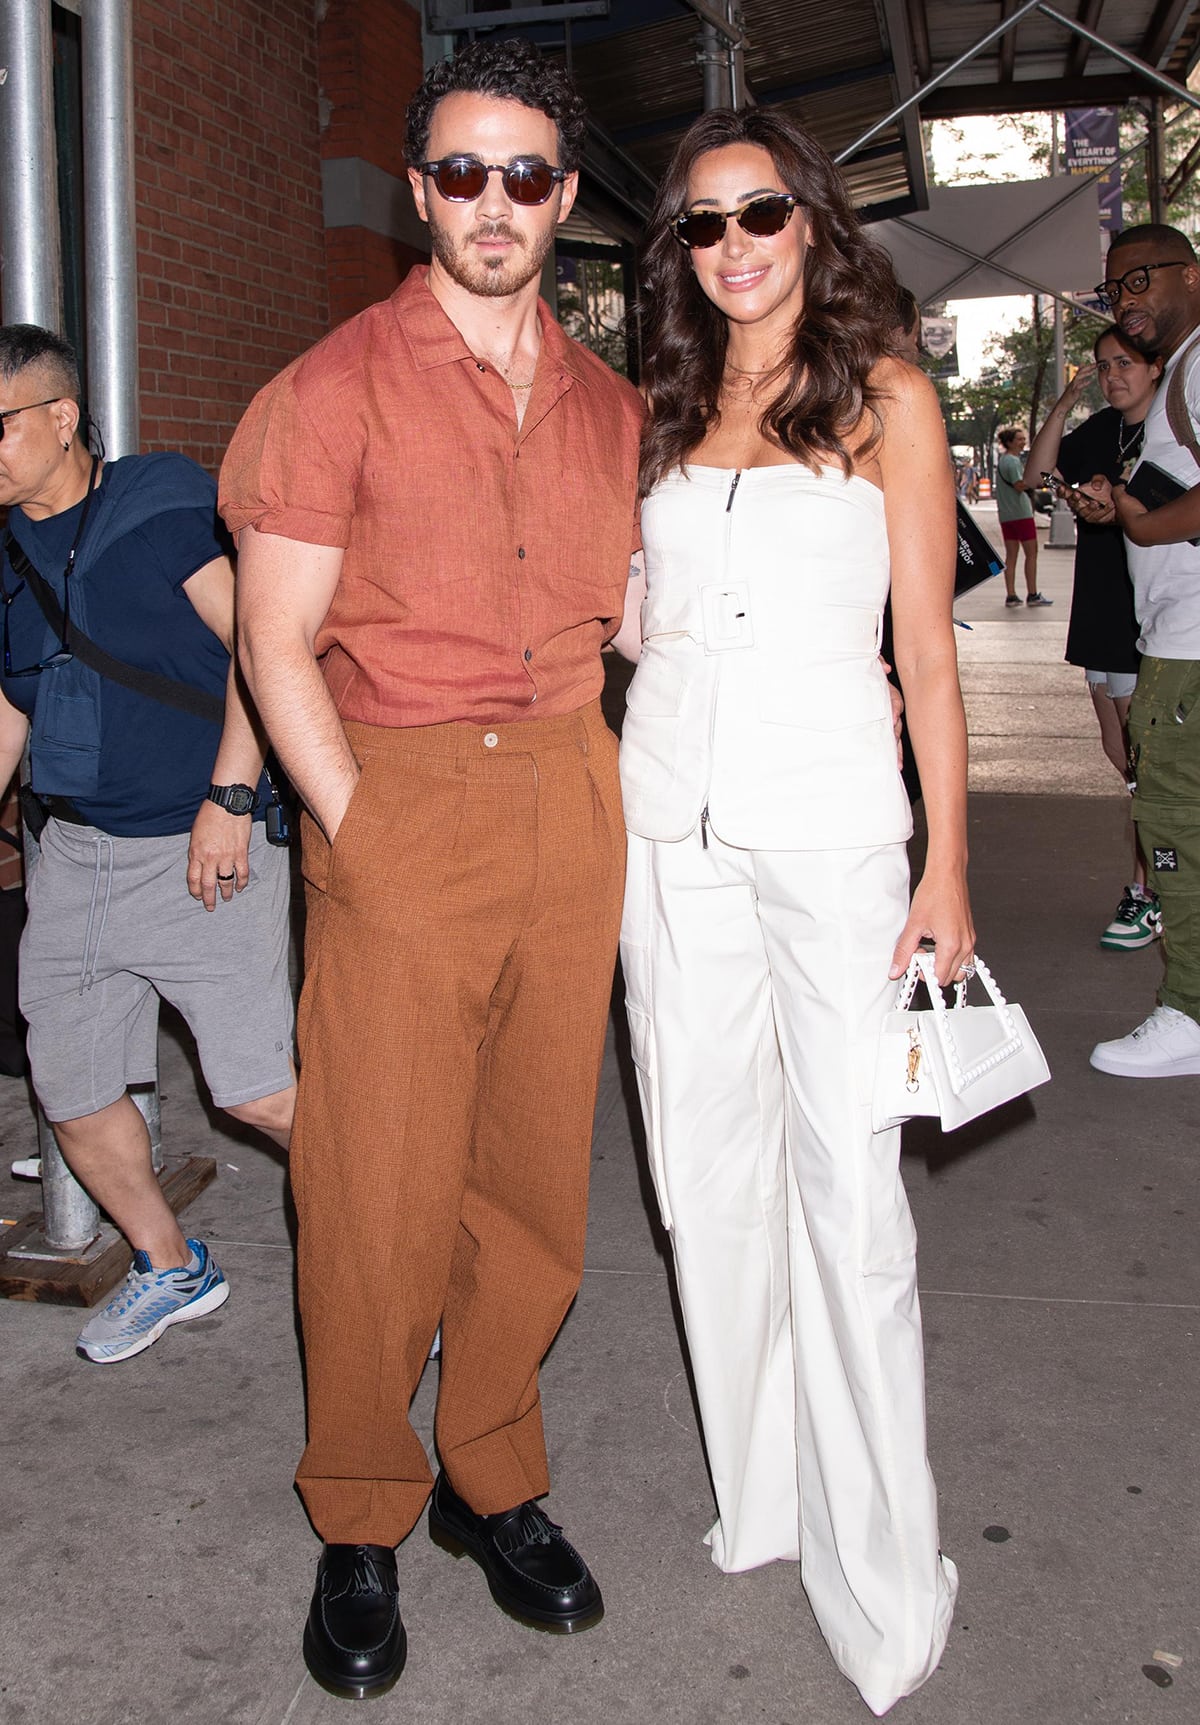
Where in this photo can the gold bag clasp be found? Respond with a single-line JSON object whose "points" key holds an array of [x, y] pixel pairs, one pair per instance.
{"points": [[912, 1082]]}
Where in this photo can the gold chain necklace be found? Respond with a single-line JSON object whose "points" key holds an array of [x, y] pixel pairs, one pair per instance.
{"points": [[503, 371]]}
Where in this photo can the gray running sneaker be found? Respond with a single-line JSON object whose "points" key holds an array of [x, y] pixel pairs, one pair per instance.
{"points": [[1137, 922], [149, 1301]]}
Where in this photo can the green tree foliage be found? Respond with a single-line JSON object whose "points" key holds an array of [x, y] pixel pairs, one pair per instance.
{"points": [[1031, 134], [984, 164], [1181, 134], [1016, 385], [592, 310]]}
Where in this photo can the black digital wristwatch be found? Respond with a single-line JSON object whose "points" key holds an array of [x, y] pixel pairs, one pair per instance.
{"points": [[234, 799]]}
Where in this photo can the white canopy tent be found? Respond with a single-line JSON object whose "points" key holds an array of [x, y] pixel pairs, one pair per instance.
{"points": [[1030, 236]]}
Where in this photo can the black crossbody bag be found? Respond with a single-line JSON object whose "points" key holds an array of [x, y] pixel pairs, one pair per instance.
{"points": [[186, 698], [198, 702]]}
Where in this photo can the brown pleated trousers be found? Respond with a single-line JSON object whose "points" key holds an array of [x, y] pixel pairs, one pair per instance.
{"points": [[462, 933]]}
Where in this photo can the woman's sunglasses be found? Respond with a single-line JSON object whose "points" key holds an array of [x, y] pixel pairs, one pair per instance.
{"points": [[462, 179], [698, 229]]}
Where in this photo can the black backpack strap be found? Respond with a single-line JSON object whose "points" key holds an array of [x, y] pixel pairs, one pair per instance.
{"points": [[199, 703]]}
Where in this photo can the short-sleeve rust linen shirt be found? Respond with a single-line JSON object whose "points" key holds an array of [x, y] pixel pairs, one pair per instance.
{"points": [[484, 566]]}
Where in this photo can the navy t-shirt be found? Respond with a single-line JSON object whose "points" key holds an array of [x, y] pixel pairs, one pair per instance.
{"points": [[155, 761]]}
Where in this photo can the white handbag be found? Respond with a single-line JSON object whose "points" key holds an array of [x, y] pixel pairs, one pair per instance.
{"points": [[954, 1062]]}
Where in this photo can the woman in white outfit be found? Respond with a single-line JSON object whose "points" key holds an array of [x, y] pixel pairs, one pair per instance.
{"points": [[789, 465]]}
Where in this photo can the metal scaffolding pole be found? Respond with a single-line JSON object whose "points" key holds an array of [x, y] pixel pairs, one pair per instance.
{"points": [[1154, 159], [1062, 522], [29, 235], [1060, 368], [714, 58], [739, 95], [110, 243], [1174, 90], [32, 293], [721, 53]]}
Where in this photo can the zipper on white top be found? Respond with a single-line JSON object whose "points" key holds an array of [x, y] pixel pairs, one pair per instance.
{"points": [[712, 717]]}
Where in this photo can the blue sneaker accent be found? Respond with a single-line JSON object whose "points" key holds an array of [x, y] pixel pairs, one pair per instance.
{"points": [[149, 1301]]}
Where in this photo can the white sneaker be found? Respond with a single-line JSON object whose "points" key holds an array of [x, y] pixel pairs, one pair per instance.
{"points": [[1167, 1045]]}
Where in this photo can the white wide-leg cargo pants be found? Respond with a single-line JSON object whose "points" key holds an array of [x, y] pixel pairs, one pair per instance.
{"points": [[756, 982]]}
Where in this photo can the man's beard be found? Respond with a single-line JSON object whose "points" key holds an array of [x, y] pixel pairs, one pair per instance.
{"points": [[490, 278], [1141, 342], [1168, 329]]}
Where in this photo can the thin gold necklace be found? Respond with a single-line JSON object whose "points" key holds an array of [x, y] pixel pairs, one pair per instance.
{"points": [[503, 371]]}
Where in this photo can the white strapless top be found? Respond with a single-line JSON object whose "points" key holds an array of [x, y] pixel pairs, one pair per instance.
{"points": [[759, 695]]}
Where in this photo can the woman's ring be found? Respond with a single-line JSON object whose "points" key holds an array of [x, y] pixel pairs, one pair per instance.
{"points": [[221, 876], [968, 970]]}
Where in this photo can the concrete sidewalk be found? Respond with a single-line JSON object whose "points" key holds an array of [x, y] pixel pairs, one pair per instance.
{"points": [[159, 1566]]}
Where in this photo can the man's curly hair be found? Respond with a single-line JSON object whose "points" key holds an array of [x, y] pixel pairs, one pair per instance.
{"points": [[511, 68]]}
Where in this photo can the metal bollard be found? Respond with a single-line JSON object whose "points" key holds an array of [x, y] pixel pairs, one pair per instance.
{"points": [[1062, 528], [70, 1220], [145, 1099]]}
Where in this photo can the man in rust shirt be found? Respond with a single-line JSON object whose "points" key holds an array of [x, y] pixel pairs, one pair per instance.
{"points": [[434, 508]]}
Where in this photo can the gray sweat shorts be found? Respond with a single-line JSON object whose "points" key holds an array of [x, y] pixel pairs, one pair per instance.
{"points": [[112, 927]]}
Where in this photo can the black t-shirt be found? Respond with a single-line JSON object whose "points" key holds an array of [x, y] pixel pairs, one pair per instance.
{"points": [[1103, 631]]}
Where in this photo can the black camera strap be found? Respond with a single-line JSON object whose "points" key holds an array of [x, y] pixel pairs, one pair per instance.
{"points": [[199, 703]]}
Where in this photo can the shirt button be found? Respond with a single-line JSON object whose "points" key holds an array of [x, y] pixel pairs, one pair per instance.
{"points": [[479, 366], [528, 654], [520, 551], [490, 741]]}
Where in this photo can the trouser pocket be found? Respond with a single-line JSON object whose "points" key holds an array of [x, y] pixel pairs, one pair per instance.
{"points": [[1164, 735]]}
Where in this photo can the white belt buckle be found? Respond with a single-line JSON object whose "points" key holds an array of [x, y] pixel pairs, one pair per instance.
{"points": [[725, 608]]}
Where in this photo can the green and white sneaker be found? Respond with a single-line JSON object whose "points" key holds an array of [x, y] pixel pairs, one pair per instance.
{"points": [[149, 1301], [1137, 922]]}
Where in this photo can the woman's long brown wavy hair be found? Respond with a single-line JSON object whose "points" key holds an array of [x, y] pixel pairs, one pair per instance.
{"points": [[845, 326]]}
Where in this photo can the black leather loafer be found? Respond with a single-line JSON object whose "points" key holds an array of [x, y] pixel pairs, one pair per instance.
{"points": [[534, 1573], [354, 1641]]}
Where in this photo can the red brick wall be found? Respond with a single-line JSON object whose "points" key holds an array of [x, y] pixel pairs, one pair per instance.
{"points": [[363, 267], [370, 65], [370, 59], [231, 258]]}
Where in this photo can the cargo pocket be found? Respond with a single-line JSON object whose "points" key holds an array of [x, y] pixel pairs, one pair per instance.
{"points": [[1164, 731]]}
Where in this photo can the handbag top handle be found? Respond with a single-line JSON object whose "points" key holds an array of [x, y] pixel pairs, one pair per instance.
{"points": [[921, 966]]}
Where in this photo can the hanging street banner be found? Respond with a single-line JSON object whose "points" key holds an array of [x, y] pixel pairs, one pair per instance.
{"points": [[1093, 142], [939, 338]]}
